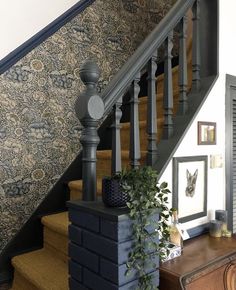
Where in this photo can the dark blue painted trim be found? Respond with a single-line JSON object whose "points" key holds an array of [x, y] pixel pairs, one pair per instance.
{"points": [[199, 230], [42, 35], [5, 277]]}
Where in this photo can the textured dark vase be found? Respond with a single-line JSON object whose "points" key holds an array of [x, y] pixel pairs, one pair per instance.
{"points": [[112, 194]]}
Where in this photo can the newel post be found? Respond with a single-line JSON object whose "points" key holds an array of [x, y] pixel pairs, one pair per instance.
{"points": [[89, 108]]}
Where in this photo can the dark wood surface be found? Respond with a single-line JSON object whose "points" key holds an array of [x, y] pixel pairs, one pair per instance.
{"points": [[5, 287], [205, 261]]}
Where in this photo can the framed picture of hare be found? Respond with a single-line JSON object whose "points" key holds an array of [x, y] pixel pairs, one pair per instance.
{"points": [[190, 187]]}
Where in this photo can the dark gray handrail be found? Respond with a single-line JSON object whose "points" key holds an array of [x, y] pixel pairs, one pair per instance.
{"points": [[119, 84]]}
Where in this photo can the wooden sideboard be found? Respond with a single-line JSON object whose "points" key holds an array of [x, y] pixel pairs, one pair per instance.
{"points": [[206, 264]]}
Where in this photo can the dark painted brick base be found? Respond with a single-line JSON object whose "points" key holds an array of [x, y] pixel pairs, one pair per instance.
{"points": [[100, 241]]}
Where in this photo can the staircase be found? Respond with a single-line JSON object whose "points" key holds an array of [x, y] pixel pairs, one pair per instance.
{"points": [[47, 268]]}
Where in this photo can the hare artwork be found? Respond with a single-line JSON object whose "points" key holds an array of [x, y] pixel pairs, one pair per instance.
{"points": [[191, 183]]}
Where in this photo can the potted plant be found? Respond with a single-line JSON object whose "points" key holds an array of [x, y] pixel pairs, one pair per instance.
{"points": [[149, 212], [113, 194]]}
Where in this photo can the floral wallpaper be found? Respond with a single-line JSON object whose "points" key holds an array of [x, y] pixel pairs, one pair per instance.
{"points": [[39, 133]]}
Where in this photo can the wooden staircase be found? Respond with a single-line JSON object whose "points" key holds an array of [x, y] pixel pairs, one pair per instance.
{"points": [[47, 268]]}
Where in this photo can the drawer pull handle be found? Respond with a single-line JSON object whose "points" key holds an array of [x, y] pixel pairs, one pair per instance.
{"points": [[230, 276]]}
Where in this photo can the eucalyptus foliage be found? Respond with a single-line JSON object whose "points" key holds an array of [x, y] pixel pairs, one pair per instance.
{"points": [[146, 199]]}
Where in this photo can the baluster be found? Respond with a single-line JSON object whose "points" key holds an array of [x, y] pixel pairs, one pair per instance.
{"points": [[89, 108], [168, 89], [116, 147], [134, 151], [183, 69], [152, 111], [196, 58]]}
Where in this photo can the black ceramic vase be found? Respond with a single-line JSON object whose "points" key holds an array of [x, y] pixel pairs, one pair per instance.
{"points": [[112, 194]]}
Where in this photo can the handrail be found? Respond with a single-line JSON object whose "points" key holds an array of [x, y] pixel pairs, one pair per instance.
{"points": [[91, 107], [138, 60]]}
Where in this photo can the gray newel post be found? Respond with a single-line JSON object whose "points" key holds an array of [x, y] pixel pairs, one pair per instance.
{"points": [[89, 108]]}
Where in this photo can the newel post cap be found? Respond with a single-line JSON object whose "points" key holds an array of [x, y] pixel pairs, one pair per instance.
{"points": [[89, 105], [89, 73]]}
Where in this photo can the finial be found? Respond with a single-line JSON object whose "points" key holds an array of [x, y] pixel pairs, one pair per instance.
{"points": [[89, 105], [90, 73]]}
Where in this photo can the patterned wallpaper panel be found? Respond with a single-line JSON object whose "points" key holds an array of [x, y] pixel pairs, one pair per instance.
{"points": [[39, 133]]}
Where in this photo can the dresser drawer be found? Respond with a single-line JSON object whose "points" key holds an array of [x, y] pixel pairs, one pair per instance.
{"points": [[222, 278], [206, 264]]}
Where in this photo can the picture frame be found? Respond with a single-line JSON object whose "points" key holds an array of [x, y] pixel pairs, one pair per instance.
{"points": [[190, 187], [206, 133]]}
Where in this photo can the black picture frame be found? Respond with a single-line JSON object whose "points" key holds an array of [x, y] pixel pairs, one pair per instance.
{"points": [[190, 187]]}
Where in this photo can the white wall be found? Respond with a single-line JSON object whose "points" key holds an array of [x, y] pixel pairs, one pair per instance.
{"points": [[20, 20], [214, 111]]}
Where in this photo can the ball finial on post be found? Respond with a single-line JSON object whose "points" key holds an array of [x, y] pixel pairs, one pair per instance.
{"points": [[90, 73]]}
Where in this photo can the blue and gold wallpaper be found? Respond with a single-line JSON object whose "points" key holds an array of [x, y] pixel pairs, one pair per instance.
{"points": [[39, 133]]}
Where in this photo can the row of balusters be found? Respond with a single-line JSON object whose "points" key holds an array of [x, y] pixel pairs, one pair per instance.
{"points": [[89, 137]]}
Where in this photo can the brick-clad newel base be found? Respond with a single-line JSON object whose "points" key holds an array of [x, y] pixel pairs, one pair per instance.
{"points": [[100, 241]]}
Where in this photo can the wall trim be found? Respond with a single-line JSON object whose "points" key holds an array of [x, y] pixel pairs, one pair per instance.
{"points": [[230, 83], [5, 277], [42, 35], [198, 230]]}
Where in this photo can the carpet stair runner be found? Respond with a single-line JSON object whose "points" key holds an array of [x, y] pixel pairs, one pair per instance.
{"points": [[47, 269]]}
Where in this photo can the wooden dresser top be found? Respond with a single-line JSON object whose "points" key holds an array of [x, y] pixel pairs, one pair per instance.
{"points": [[200, 252]]}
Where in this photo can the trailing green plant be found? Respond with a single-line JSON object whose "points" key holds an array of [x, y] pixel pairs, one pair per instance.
{"points": [[146, 199]]}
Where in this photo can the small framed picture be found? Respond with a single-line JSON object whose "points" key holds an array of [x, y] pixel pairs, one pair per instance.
{"points": [[190, 187], [206, 133]]}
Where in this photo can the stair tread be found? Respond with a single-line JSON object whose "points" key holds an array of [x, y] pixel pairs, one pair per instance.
{"points": [[57, 222], [143, 100], [106, 154], [142, 123], [43, 269], [103, 154], [77, 184]]}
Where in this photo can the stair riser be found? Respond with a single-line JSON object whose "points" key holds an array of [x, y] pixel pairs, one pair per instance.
{"points": [[160, 111], [57, 243], [21, 283], [103, 169], [125, 136], [60, 255], [160, 91], [75, 194], [104, 166], [76, 189], [175, 78]]}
